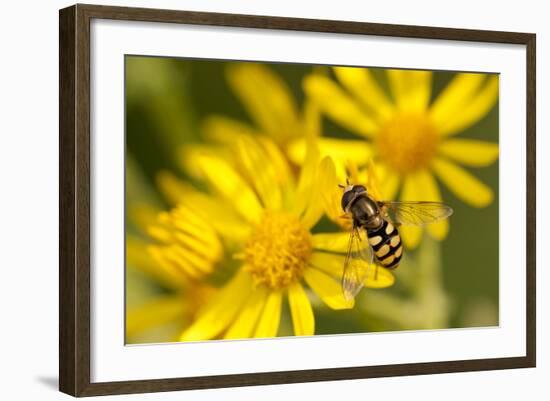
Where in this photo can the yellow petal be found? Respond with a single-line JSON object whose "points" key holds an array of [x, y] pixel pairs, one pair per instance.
{"points": [[168, 262], [475, 109], [387, 181], [158, 312], [138, 257], [339, 106], [225, 130], [361, 83], [142, 215], [470, 151], [330, 193], [327, 288], [221, 310], [284, 175], [266, 97], [454, 96], [411, 89], [301, 311], [330, 263], [427, 188], [249, 315], [313, 213], [191, 231], [470, 111], [192, 258], [190, 153], [224, 220], [307, 180], [187, 243], [229, 184], [376, 277], [462, 183], [411, 235], [332, 242], [268, 325], [171, 259], [172, 188], [311, 119], [161, 234], [260, 172], [388, 184], [339, 149], [372, 181], [439, 230], [314, 208]]}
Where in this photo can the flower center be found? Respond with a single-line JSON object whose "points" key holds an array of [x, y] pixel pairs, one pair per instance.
{"points": [[278, 250], [407, 142]]}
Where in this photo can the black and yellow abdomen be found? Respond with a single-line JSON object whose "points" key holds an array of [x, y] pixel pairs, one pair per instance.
{"points": [[386, 244]]}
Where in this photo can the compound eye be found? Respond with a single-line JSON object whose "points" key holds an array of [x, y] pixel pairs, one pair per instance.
{"points": [[346, 199], [359, 188]]}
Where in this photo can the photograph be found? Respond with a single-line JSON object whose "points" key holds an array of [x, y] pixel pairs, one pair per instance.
{"points": [[269, 200]]}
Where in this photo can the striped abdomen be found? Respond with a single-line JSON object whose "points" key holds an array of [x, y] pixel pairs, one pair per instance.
{"points": [[386, 244]]}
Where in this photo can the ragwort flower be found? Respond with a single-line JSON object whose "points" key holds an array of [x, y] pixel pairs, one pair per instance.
{"points": [[177, 258], [409, 138], [270, 104], [274, 243]]}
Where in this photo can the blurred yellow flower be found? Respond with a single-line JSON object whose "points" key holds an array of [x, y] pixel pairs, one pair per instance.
{"points": [[409, 138], [164, 316], [270, 104], [272, 216], [187, 245], [179, 260]]}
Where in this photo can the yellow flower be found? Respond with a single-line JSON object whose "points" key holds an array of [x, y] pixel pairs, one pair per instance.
{"points": [[270, 104], [409, 138], [163, 254], [159, 317], [272, 216], [189, 250]]}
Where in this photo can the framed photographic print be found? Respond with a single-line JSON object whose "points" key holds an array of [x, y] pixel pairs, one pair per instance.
{"points": [[311, 200]]}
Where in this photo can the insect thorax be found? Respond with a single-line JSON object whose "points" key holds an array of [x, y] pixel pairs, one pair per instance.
{"points": [[366, 213]]}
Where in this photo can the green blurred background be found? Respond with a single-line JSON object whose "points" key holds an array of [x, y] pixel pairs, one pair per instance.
{"points": [[166, 99]]}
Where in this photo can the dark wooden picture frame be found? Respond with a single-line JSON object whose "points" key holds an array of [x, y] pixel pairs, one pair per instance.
{"points": [[74, 202]]}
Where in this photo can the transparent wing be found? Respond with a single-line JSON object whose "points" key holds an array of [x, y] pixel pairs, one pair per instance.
{"points": [[415, 213], [357, 263]]}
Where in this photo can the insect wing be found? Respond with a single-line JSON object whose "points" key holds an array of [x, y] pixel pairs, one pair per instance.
{"points": [[357, 263], [415, 213]]}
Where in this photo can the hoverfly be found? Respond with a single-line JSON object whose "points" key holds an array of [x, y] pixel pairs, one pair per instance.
{"points": [[374, 238]]}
